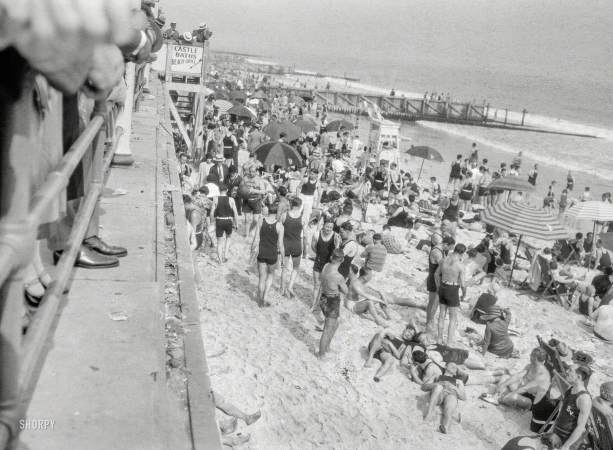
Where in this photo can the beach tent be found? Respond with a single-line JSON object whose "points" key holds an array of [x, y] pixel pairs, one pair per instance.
{"points": [[524, 220]]}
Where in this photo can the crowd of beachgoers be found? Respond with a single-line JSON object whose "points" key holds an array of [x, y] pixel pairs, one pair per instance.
{"points": [[338, 204]]}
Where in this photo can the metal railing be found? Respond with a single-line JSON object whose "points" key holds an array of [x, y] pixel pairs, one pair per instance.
{"points": [[21, 213]]}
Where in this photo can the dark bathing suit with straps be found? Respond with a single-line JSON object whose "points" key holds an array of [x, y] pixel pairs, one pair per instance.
{"points": [[223, 216], [269, 241], [345, 266], [292, 235], [432, 268], [569, 414], [451, 213], [323, 252]]}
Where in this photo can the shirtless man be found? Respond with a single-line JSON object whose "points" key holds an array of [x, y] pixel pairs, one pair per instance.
{"points": [[450, 279], [528, 387], [437, 255], [445, 391], [252, 207], [332, 286]]}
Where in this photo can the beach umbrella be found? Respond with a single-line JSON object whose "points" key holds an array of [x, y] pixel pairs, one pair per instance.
{"points": [[260, 95], [306, 125], [242, 111], [222, 95], [223, 105], [264, 106], [511, 183], [278, 154], [593, 210], [297, 100], [336, 125], [309, 118], [274, 129], [524, 220], [424, 152], [238, 95]]}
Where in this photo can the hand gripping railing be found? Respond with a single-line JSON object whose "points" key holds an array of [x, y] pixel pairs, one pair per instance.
{"points": [[20, 215]]}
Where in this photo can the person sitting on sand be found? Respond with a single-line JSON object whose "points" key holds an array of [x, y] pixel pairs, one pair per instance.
{"points": [[603, 320], [527, 388], [485, 309], [474, 267], [446, 391], [496, 339], [229, 426], [358, 279], [541, 442], [585, 292], [604, 402]]}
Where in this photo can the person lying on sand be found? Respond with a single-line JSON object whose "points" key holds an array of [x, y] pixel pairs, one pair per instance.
{"points": [[359, 300], [474, 267], [229, 426], [526, 388], [445, 391]]}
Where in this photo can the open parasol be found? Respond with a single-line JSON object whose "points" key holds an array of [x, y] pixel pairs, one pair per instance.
{"points": [[275, 129], [594, 210], [306, 125], [424, 152], [278, 154], [260, 95], [336, 125], [524, 220], [223, 105], [242, 111], [511, 183]]}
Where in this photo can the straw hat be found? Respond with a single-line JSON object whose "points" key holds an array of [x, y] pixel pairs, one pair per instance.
{"points": [[202, 26], [218, 158], [187, 36]]}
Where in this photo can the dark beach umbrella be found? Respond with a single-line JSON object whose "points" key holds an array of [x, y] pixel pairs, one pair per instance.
{"points": [[336, 125], [424, 152], [524, 220], [297, 100], [264, 106], [221, 95], [511, 183], [309, 118], [306, 125], [278, 154], [274, 130], [242, 111], [260, 95], [238, 95]]}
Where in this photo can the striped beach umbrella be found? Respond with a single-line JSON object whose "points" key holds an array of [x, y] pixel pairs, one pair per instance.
{"points": [[278, 154], [511, 183], [223, 105], [524, 220], [594, 210]]}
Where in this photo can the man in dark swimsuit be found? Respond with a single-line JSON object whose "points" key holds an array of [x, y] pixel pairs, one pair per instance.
{"points": [[446, 391], [456, 173], [571, 423], [332, 286], [437, 254]]}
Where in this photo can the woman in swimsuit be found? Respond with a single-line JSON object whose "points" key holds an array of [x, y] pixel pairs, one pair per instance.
{"points": [[322, 243], [394, 183]]}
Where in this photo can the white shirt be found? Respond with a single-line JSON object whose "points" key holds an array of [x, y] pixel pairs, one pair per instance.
{"points": [[604, 322], [213, 190], [337, 165]]}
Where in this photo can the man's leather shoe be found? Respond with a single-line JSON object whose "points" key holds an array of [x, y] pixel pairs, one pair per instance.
{"points": [[98, 245], [89, 259]]}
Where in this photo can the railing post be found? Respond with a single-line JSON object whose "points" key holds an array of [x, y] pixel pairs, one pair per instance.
{"points": [[523, 117], [123, 155], [506, 113]]}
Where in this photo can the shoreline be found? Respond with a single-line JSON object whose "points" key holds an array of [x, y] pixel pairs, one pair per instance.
{"points": [[445, 141]]}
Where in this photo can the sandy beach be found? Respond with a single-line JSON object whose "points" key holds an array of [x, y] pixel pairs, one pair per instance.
{"points": [[265, 358]]}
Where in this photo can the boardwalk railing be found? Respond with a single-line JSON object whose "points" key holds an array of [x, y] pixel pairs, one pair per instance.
{"points": [[21, 212]]}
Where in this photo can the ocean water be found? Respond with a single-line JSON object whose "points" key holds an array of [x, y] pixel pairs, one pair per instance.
{"points": [[553, 58]]}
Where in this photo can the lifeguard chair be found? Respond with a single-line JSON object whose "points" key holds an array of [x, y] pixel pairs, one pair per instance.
{"points": [[384, 139]]}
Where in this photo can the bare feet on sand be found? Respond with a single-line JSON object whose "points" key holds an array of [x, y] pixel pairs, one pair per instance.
{"points": [[228, 426], [235, 440], [253, 417]]}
